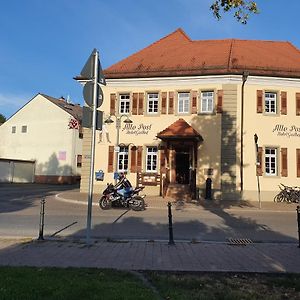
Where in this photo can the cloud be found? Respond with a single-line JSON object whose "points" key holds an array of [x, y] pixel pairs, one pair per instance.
{"points": [[10, 103]]}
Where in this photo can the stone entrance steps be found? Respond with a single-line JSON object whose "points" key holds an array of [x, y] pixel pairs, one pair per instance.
{"points": [[179, 191]]}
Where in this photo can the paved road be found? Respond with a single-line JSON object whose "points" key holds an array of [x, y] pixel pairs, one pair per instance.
{"points": [[19, 216]]}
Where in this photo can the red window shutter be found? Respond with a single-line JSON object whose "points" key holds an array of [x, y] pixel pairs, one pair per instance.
{"points": [[284, 163], [141, 103], [194, 102], [220, 101], [112, 104], [298, 162], [134, 103], [110, 167], [260, 162], [297, 104], [171, 103], [139, 158], [283, 103], [259, 102], [133, 160], [163, 102], [162, 161]]}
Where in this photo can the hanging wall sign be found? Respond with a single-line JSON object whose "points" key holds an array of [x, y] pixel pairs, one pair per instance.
{"points": [[288, 131]]}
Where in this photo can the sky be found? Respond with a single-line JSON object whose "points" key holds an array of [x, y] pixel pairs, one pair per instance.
{"points": [[45, 43]]}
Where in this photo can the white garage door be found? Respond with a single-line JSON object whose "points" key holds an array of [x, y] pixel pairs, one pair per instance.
{"points": [[16, 171]]}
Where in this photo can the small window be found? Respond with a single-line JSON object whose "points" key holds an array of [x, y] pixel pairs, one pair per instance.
{"points": [[123, 159], [24, 129], [151, 159], [271, 163], [183, 103], [152, 103], [124, 103], [79, 161], [270, 103], [13, 129], [207, 102]]}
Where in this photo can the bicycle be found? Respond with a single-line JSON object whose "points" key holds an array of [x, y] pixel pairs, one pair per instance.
{"points": [[288, 194]]}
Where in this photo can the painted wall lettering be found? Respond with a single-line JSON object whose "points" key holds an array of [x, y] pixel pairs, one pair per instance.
{"points": [[288, 131], [137, 129]]}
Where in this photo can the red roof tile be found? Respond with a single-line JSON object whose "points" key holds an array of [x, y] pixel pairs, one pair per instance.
{"points": [[178, 55], [179, 129]]}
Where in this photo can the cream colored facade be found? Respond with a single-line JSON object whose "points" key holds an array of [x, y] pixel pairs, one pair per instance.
{"points": [[47, 141], [218, 156]]}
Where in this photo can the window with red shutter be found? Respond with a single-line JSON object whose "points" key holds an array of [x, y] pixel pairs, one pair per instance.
{"points": [[110, 167], [284, 162], [139, 158], [194, 102], [163, 103], [220, 101], [298, 162], [112, 104], [259, 101], [133, 159], [283, 103], [171, 103], [134, 103], [297, 104], [141, 104]]}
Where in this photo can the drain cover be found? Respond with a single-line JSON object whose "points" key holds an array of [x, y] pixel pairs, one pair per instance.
{"points": [[239, 242]]}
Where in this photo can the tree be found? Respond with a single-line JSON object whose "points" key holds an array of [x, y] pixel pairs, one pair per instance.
{"points": [[2, 119], [241, 9]]}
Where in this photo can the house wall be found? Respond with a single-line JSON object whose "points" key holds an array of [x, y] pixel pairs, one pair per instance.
{"points": [[268, 128], [48, 141], [220, 152]]}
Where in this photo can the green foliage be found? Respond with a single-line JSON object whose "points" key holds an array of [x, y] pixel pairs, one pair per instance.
{"points": [[2, 119], [241, 9]]}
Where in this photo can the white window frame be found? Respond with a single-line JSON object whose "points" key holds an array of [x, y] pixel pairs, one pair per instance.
{"points": [[123, 159], [183, 102], [151, 159], [152, 103], [271, 161], [13, 129], [270, 103], [207, 102], [124, 103]]}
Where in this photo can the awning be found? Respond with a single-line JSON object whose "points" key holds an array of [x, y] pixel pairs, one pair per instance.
{"points": [[180, 130]]}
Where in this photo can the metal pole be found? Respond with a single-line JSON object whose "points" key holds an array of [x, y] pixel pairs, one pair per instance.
{"points": [[42, 217], [91, 178], [256, 163], [171, 240], [118, 125], [298, 221]]}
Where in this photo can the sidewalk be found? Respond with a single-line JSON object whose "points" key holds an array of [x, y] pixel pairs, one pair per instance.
{"points": [[76, 197], [133, 255]]}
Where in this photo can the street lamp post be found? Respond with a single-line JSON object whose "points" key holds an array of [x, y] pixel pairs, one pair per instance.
{"points": [[118, 127]]}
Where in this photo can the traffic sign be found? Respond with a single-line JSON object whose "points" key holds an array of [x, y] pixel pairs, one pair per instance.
{"points": [[88, 92], [88, 69]]}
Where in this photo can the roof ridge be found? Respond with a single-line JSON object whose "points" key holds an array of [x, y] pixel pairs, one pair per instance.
{"points": [[229, 64]]}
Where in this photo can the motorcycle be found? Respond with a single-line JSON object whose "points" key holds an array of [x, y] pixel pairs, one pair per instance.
{"points": [[132, 200]]}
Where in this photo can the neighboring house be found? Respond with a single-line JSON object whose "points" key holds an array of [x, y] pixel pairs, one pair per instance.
{"points": [[42, 142], [195, 107]]}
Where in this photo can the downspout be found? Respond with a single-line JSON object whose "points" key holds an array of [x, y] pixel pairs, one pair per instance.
{"points": [[244, 79]]}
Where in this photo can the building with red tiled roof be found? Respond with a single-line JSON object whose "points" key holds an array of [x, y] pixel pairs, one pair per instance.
{"points": [[195, 107]]}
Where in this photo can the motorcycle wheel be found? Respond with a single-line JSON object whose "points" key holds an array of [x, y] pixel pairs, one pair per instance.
{"points": [[104, 203], [138, 204]]}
